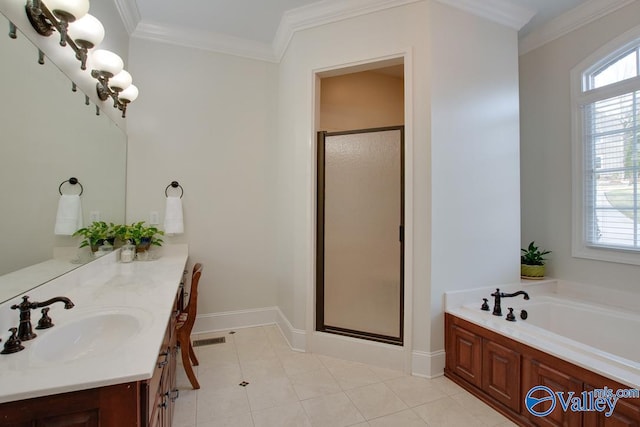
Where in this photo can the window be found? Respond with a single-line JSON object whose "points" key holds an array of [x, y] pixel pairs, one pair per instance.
{"points": [[607, 157]]}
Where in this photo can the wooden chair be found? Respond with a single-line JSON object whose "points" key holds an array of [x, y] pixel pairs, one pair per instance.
{"points": [[186, 319]]}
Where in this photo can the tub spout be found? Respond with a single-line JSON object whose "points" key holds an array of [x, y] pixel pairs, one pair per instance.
{"points": [[515, 294], [497, 295]]}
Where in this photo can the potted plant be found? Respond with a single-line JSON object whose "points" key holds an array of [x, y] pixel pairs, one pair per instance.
{"points": [[532, 262], [141, 236], [96, 234]]}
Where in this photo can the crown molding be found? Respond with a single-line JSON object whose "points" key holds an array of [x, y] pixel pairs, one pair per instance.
{"points": [[129, 13], [325, 12], [313, 15], [569, 21], [206, 40], [503, 12]]}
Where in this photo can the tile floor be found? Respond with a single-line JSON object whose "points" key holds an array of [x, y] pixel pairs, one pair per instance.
{"points": [[288, 388]]}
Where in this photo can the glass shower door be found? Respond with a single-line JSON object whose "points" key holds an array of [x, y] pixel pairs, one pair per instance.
{"points": [[360, 217]]}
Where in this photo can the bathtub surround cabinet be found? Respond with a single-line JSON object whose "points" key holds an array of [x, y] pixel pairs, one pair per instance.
{"points": [[499, 362], [133, 385], [500, 371]]}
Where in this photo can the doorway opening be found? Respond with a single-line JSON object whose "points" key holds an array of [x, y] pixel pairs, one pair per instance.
{"points": [[360, 205]]}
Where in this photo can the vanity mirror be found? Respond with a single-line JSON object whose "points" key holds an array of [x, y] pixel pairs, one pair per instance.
{"points": [[49, 135]]}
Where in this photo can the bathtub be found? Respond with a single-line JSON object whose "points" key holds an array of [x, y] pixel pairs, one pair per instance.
{"points": [[604, 328], [602, 338]]}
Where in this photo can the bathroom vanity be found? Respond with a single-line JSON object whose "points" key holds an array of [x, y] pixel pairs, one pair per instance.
{"points": [[109, 361]]}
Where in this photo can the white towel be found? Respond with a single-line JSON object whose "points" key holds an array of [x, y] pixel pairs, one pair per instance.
{"points": [[173, 222], [69, 217]]}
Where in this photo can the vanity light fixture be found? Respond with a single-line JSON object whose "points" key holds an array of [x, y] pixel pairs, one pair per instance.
{"points": [[84, 32], [87, 32], [57, 15], [113, 81]]}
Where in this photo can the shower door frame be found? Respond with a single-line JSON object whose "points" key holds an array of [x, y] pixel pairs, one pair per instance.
{"points": [[320, 246]]}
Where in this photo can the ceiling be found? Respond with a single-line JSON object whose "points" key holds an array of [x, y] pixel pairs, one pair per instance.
{"points": [[262, 29], [546, 10], [258, 20], [255, 20]]}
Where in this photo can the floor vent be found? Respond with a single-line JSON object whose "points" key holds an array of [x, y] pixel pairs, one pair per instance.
{"points": [[209, 341]]}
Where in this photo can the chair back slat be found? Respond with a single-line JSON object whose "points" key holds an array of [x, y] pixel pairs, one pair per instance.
{"points": [[192, 306]]}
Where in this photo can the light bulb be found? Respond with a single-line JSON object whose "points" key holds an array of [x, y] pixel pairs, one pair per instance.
{"points": [[106, 62], [120, 81], [69, 10], [129, 94], [87, 31]]}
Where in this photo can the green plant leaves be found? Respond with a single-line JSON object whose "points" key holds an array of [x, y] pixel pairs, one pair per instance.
{"points": [[532, 255]]}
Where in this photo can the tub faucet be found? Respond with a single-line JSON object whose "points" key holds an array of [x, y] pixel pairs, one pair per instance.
{"points": [[497, 309], [25, 332]]}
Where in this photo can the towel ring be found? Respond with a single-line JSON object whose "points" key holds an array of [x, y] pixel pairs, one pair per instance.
{"points": [[174, 184], [72, 181]]}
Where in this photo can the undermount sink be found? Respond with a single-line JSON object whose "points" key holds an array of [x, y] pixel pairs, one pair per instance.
{"points": [[88, 335]]}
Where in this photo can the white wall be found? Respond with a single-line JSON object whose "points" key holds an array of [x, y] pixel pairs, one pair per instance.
{"points": [[116, 37], [475, 151], [546, 150], [366, 38], [470, 119], [239, 135], [207, 120]]}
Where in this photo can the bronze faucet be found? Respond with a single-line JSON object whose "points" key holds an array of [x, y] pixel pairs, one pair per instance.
{"points": [[497, 309], [25, 331]]}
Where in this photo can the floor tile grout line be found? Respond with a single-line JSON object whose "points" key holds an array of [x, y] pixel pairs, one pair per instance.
{"points": [[323, 365]]}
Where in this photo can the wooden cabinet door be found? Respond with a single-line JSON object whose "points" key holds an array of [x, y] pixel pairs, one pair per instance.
{"points": [[109, 406], [536, 373], [626, 414], [464, 355], [88, 418], [501, 374]]}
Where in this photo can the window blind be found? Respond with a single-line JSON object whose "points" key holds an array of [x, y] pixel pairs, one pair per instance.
{"points": [[611, 172]]}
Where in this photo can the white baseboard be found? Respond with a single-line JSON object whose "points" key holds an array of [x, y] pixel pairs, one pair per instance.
{"points": [[427, 364], [213, 322], [423, 364], [297, 338]]}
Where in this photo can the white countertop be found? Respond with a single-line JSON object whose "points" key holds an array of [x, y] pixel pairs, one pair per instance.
{"points": [[143, 289]]}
